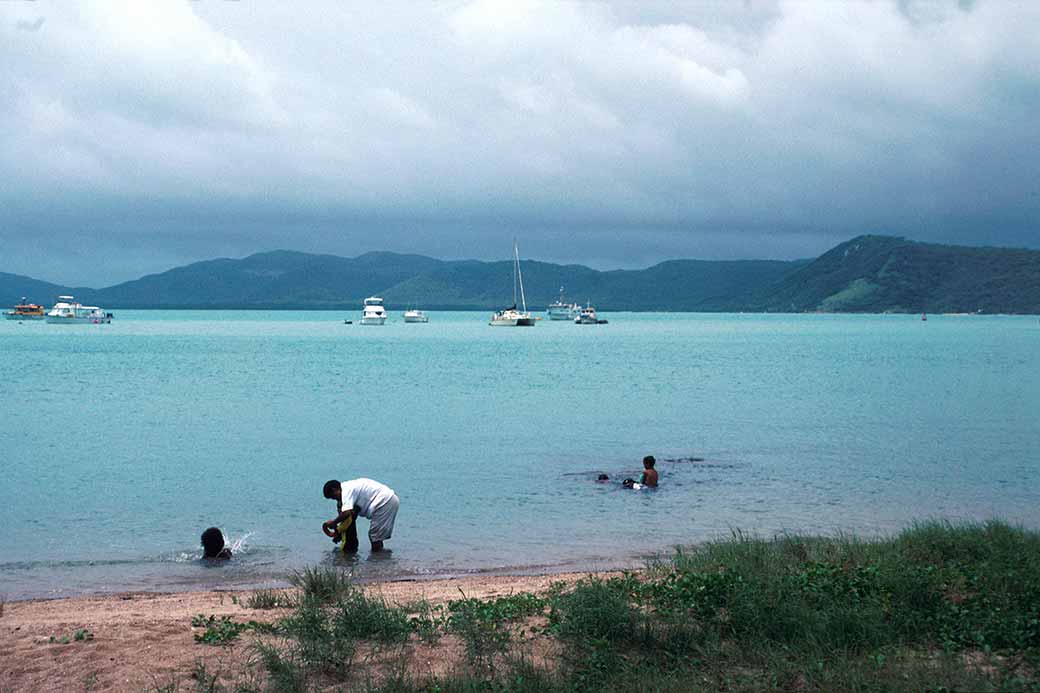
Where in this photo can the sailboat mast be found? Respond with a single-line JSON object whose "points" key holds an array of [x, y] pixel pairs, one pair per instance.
{"points": [[516, 254], [516, 270]]}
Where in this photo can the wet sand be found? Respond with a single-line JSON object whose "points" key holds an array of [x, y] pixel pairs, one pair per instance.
{"points": [[144, 641]]}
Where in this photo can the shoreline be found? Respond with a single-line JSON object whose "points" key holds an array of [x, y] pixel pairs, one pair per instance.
{"points": [[279, 580], [139, 640]]}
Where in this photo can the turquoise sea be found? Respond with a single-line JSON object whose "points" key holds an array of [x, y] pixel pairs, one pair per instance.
{"points": [[120, 443]]}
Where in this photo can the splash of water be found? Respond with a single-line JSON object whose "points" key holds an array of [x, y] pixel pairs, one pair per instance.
{"points": [[239, 545]]}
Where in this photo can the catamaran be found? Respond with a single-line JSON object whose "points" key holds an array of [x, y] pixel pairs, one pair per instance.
{"points": [[511, 317]]}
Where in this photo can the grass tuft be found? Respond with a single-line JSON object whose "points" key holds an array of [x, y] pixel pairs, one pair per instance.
{"points": [[323, 583], [269, 599]]}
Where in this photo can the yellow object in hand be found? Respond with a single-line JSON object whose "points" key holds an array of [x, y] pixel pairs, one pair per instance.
{"points": [[341, 533]]}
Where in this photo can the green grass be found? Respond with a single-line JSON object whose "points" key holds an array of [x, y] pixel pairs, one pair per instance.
{"points": [[937, 607], [269, 599], [323, 583]]}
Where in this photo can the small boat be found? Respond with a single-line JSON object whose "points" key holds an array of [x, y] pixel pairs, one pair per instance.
{"points": [[68, 312], [415, 316], [374, 313], [587, 316], [511, 317], [26, 311], [561, 310], [924, 317]]}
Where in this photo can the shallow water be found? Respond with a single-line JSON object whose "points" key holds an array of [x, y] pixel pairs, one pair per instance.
{"points": [[122, 442]]}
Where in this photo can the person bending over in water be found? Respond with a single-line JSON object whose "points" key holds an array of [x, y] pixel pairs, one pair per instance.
{"points": [[365, 498], [213, 545], [649, 477]]}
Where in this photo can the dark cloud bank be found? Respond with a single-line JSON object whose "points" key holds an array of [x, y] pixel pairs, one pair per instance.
{"points": [[141, 136]]}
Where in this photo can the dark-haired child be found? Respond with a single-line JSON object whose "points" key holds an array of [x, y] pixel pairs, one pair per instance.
{"points": [[213, 545], [649, 477]]}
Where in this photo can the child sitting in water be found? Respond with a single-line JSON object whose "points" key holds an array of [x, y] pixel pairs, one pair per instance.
{"points": [[649, 477], [213, 545]]}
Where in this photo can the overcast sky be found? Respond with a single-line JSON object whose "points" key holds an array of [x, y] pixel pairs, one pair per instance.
{"points": [[141, 135]]}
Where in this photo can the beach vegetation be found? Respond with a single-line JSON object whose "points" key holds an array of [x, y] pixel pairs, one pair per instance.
{"points": [[225, 630], [81, 635], [427, 619], [487, 627], [938, 606], [268, 599], [323, 583], [205, 680]]}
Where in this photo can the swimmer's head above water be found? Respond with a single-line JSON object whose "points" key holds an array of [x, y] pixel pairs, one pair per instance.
{"points": [[213, 544]]}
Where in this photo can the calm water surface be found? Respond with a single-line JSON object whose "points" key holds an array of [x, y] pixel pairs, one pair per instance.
{"points": [[121, 442]]}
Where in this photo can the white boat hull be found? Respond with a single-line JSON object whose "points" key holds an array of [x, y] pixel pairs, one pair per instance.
{"points": [[373, 320], [410, 318], [512, 322], [78, 320]]}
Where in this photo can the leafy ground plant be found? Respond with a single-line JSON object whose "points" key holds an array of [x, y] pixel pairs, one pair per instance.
{"points": [[80, 635], [224, 630]]}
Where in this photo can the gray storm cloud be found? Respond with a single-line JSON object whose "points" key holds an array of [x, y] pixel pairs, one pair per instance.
{"points": [[615, 135]]}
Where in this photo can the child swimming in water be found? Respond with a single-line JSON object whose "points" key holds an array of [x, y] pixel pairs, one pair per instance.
{"points": [[213, 545]]}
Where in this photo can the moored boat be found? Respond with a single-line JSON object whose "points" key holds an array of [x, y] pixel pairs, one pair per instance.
{"points": [[587, 316], [26, 311], [67, 311], [415, 315], [511, 317], [561, 310], [374, 313]]}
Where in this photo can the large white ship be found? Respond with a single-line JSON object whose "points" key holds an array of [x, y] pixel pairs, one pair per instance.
{"points": [[68, 312], [561, 310]]}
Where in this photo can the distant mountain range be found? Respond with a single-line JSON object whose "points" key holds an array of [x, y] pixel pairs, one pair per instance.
{"points": [[866, 274]]}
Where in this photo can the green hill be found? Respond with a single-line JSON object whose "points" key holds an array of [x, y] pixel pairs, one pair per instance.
{"points": [[866, 274], [888, 274]]}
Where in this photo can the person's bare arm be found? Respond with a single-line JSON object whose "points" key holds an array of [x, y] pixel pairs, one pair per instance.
{"points": [[329, 527]]}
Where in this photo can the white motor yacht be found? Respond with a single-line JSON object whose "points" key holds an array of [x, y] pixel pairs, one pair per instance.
{"points": [[374, 313], [562, 311], [587, 316], [511, 317], [415, 315], [68, 312]]}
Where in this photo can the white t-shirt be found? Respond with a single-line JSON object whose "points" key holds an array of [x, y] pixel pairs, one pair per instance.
{"points": [[364, 494]]}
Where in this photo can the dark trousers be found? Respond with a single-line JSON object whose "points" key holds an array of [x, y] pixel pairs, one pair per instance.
{"points": [[350, 540]]}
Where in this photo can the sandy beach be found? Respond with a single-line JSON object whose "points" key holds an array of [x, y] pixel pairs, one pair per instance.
{"points": [[145, 641]]}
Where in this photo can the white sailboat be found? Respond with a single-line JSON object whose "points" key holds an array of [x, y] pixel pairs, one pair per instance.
{"points": [[511, 317]]}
